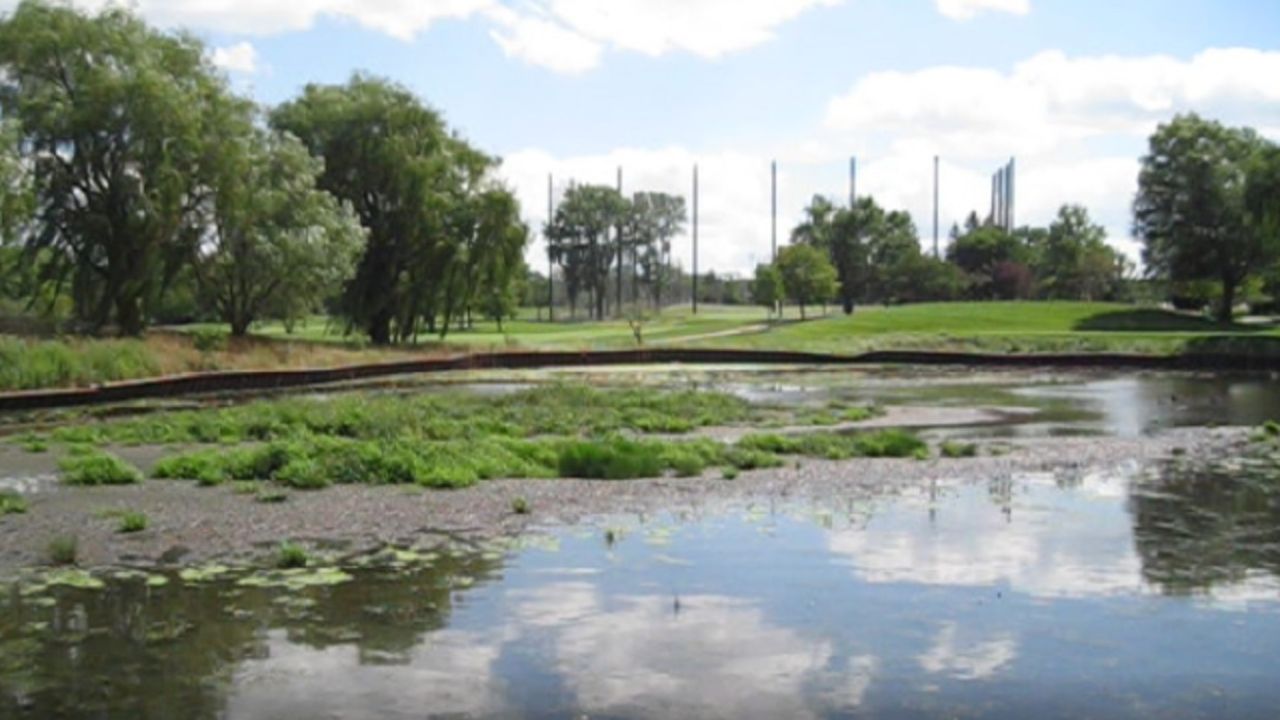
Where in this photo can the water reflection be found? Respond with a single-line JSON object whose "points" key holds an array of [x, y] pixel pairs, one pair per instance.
{"points": [[1106, 594]]}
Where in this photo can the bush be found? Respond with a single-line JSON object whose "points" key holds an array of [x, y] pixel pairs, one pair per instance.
{"points": [[63, 550], [303, 475], [208, 340], [291, 556], [520, 506], [94, 467], [133, 522], [956, 450], [12, 503], [614, 459]]}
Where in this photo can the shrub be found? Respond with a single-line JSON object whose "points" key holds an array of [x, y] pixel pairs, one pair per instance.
{"points": [[1272, 428], [133, 522], [303, 475], [63, 550], [98, 468], [730, 473], [208, 340], [12, 503], [520, 506], [956, 450], [291, 556], [614, 459]]}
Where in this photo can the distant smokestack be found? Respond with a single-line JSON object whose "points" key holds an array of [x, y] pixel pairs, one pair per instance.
{"points": [[695, 239], [1011, 179]]}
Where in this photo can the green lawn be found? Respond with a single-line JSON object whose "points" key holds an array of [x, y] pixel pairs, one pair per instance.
{"points": [[982, 327], [1001, 327]]}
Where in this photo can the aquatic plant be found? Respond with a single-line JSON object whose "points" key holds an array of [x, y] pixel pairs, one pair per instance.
{"points": [[272, 497], [881, 444], [730, 473], [955, 450], [94, 467], [290, 556], [133, 522], [612, 459], [520, 506], [63, 550], [12, 503]]}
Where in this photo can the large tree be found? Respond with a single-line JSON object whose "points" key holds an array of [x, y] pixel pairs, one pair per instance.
{"points": [[807, 276], [15, 184], [995, 261], [487, 268], [408, 179], [115, 121], [656, 219], [278, 242], [1073, 259], [1192, 210], [864, 243], [582, 240]]}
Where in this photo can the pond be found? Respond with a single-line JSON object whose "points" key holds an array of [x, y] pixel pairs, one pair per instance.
{"points": [[1129, 592]]}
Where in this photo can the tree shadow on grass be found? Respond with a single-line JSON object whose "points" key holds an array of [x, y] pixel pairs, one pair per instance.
{"points": [[1150, 320]]}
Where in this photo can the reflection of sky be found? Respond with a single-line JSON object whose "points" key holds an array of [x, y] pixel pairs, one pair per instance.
{"points": [[978, 596]]}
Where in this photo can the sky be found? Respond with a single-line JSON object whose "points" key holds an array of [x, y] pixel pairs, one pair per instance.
{"points": [[578, 88]]}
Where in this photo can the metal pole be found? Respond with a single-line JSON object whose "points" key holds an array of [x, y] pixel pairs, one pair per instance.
{"points": [[937, 178], [621, 261], [695, 239], [551, 265], [853, 182], [774, 176], [1012, 177]]}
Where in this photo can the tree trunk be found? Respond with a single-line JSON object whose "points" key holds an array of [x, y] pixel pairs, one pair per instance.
{"points": [[802, 315], [380, 328], [1227, 312], [129, 315]]}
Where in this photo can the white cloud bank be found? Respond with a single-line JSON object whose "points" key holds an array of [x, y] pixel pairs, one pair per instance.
{"points": [[566, 36]]}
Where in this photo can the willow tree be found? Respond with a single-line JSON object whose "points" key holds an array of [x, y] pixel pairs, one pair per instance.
{"points": [[582, 240], [486, 266], [656, 219], [395, 162], [277, 242], [114, 121]]}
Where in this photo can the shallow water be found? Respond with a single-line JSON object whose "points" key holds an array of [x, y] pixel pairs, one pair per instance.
{"points": [[1129, 593]]}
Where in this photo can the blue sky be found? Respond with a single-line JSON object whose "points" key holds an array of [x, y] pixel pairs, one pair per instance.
{"points": [[577, 87]]}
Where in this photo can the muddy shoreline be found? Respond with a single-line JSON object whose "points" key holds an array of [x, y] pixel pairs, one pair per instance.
{"points": [[192, 525]]}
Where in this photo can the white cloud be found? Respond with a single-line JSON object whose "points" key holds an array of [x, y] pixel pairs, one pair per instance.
{"points": [[241, 58], [562, 35], [542, 41], [968, 9], [974, 660], [707, 28]]}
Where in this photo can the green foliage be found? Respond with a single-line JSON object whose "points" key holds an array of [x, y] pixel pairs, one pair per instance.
{"points": [[807, 276], [520, 506], [583, 243], [207, 340], [614, 459], [124, 96], [883, 444], [424, 196], [63, 550], [303, 474], [1204, 202], [766, 288], [32, 364], [290, 556], [97, 468], [1271, 428], [955, 450], [133, 522], [730, 473], [655, 219], [1075, 262], [268, 496], [281, 244], [12, 503]]}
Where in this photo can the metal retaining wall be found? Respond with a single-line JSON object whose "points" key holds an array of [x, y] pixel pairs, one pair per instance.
{"points": [[259, 381]]}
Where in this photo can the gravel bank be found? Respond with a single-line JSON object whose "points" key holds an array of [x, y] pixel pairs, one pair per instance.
{"points": [[191, 525]]}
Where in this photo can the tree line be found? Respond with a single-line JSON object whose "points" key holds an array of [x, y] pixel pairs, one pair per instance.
{"points": [[130, 172], [1207, 211]]}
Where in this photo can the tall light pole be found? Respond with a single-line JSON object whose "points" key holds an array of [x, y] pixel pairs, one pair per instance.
{"points": [[774, 184], [551, 263], [937, 177], [621, 260], [695, 239], [853, 182]]}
